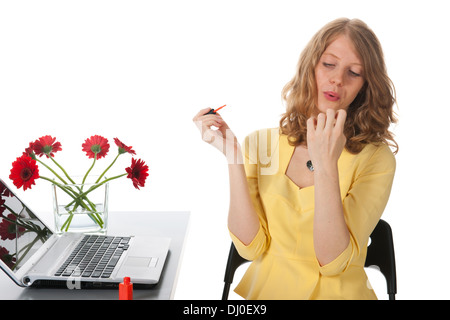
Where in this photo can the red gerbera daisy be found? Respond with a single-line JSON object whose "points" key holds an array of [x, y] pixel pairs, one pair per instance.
{"points": [[96, 145], [45, 145], [137, 172], [123, 148], [9, 230], [24, 172], [30, 151]]}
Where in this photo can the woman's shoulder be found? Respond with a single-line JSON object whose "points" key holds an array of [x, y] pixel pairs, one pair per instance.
{"points": [[378, 155], [379, 150]]}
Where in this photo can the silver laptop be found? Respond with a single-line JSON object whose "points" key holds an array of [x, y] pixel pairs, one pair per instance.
{"points": [[32, 255]]}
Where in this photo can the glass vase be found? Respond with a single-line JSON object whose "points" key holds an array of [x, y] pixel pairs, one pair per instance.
{"points": [[81, 208]]}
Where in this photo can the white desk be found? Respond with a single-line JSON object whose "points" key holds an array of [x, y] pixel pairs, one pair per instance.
{"points": [[167, 224]]}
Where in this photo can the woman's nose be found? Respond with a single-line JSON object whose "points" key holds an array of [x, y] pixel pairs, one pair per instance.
{"points": [[337, 78]]}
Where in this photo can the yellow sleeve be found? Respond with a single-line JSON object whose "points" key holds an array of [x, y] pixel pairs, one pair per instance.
{"points": [[261, 241], [363, 206]]}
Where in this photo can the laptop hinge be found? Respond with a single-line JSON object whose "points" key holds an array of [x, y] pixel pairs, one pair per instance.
{"points": [[34, 259]]}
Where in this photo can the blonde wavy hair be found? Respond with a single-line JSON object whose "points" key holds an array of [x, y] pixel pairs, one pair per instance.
{"points": [[369, 116]]}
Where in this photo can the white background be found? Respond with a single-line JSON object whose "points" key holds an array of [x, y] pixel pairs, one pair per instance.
{"points": [[140, 71]]}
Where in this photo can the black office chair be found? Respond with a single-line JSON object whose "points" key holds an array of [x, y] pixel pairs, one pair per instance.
{"points": [[380, 253]]}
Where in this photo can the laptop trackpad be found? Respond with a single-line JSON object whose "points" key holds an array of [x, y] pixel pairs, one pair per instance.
{"points": [[143, 262]]}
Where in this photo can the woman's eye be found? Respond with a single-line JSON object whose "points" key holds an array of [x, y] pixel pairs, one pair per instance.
{"points": [[354, 74], [328, 65]]}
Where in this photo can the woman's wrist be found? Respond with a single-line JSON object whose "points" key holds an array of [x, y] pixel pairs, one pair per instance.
{"points": [[325, 168], [233, 154]]}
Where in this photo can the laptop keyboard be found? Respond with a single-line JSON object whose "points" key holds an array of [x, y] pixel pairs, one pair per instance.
{"points": [[94, 257]]}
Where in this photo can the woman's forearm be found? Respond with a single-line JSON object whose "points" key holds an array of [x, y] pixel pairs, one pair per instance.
{"points": [[331, 235], [326, 141], [243, 220]]}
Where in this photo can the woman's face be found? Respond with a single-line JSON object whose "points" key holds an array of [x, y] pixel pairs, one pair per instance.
{"points": [[339, 75]]}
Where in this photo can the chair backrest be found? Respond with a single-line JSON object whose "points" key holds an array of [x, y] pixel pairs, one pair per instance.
{"points": [[380, 253], [234, 262]]}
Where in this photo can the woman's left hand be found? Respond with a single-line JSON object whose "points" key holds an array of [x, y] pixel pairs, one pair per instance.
{"points": [[326, 139]]}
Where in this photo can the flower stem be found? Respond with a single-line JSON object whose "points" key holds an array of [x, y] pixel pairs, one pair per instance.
{"points": [[101, 176], [75, 196], [67, 223], [53, 171], [93, 163], [100, 184], [62, 169]]}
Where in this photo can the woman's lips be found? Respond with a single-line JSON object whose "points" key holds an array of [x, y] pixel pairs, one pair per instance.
{"points": [[331, 96]]}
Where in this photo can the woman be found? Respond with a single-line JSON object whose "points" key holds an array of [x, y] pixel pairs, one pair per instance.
{"points": [[304, 215]]}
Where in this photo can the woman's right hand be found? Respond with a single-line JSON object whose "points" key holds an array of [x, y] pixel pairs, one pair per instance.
{"points": [[222, 138]]}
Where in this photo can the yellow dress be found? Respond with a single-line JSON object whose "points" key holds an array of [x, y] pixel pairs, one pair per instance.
{"points": [[284, 265]]}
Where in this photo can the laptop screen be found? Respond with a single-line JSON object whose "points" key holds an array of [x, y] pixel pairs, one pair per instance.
{"points": [[21, 232]]}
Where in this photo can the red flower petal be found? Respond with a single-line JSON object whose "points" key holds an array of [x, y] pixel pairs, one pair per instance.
{"points": [[96, 145], [123, 148], [24, 172], [137, 172], [30, 151], [45, 145]]}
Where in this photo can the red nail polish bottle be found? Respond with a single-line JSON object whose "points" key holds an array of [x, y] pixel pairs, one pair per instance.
{"points": [[126, 289]]}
